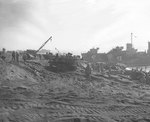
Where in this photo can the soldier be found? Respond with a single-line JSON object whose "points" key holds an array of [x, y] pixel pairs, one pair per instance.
{"points": [[147, 77], [13, 56], [88, 70], [101, 68], [98, 67], [3, 55], [24, 57], [17, 56], [56, 57]]}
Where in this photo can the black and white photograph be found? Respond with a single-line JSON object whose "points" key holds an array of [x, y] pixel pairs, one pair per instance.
{"points": [[74, 60]]}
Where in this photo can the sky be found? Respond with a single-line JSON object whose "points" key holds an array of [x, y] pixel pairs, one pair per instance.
{"points": [[75, 25]]}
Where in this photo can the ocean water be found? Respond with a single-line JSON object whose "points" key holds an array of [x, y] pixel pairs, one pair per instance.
{"points": [[143, 68]]}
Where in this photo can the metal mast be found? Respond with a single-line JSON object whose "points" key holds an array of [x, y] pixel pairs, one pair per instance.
{"points": [[44, 44], [131, 38]]}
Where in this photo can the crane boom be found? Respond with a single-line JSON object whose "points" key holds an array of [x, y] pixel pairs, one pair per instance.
{"points": [[44, 44]]}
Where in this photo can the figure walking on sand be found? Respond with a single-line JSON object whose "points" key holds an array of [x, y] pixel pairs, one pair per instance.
{"points": [[24, 57], [17, 57], [13, 56], [88, 70]]}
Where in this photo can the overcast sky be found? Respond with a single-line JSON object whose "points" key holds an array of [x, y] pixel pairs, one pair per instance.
{"points": [[76, 25]]}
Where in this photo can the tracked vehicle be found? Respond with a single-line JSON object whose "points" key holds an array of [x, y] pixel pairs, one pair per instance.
{"points": [[63, 63]]}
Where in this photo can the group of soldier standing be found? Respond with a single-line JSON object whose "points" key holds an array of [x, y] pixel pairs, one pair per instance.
{"points": [[15, 56], [97, 67]]}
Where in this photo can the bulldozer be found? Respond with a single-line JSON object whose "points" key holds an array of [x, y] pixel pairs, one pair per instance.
{"points": [[63, 63]]}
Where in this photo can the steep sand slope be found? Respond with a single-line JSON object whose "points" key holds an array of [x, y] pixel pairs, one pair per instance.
{"points": [[30, 93]]}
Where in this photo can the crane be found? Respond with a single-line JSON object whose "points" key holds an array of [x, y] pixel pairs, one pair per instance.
{"points": [[32, 53], [43, 44]]}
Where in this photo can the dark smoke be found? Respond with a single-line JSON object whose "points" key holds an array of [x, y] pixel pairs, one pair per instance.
{"points": [[13, 12]]}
